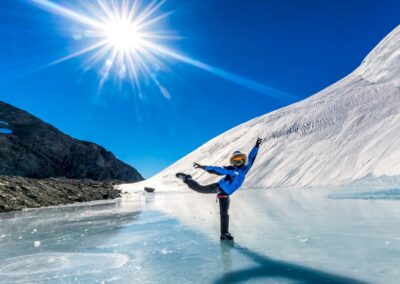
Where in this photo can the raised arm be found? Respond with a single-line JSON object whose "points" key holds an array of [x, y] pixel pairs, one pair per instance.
{"points": [[221, 171], [253, 154], [217, 170]]}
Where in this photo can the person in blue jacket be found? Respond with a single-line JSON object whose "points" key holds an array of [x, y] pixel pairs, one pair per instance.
{"points": [[234, 176]]}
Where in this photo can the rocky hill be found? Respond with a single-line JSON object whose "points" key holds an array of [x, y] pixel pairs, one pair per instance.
{"points": [[32, 148]]}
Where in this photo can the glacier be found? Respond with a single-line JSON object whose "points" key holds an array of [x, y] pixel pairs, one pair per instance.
{"points": [[345, 133]]}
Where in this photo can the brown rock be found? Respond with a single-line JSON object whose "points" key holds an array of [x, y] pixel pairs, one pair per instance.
{"points": [[17, 193]]}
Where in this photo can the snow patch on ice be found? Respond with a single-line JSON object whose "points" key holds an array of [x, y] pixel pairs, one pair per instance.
{"points": [[165, 251]]}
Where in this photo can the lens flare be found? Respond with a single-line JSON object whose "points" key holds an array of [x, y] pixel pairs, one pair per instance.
{"points": [[115, 32], [127, 38]]}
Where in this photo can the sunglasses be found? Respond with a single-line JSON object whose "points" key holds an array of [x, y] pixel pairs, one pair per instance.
{"points": [[238, 161]]}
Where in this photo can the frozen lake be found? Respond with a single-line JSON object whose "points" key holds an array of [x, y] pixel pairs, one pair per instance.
{"points": [[281, 236]]}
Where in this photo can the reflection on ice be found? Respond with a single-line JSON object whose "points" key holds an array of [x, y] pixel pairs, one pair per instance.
{"points": [[379, 194], [282, 236]]}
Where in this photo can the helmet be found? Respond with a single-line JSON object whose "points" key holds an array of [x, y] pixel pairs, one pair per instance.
{"points": [[238, 158]]}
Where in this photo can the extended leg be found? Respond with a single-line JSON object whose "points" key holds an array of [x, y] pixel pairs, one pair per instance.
{"points": [[223, 211], [210, 188]]}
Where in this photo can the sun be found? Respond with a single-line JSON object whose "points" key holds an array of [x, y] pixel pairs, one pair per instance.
{"points": [[123, 35]]}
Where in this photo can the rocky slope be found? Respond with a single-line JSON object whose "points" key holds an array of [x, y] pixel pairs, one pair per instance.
{"points": [[32, 148], [17, 193]]}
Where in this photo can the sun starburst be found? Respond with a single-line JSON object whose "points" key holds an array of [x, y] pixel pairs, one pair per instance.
{"points": [[129, 40], [120, 34]]}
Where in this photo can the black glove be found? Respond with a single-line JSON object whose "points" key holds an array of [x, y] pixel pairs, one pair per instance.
{"points": [[259, 142], [198, 166]]}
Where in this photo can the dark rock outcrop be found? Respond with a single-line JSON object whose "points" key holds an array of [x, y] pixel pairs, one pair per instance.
{"points": [[36, 149], [17, 193]]}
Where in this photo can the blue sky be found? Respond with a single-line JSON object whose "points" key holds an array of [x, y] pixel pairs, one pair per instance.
{"points": [[298, 47]]}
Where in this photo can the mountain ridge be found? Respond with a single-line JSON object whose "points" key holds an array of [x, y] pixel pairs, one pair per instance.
{"points": [[37, 149]]}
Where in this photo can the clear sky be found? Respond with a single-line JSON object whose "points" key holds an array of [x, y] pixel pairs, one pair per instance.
{"points": [[297, 47]]}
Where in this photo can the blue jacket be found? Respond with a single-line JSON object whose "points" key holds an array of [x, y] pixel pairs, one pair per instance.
{"points": [[234, 176]]}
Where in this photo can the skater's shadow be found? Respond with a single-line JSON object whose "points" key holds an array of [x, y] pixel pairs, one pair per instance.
{"points": [[269, 268]]}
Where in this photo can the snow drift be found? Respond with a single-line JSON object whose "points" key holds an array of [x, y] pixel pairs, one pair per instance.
{"points": [[349, 131]]}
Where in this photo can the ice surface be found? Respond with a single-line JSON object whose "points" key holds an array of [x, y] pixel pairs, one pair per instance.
{"points": [[281, 236]]}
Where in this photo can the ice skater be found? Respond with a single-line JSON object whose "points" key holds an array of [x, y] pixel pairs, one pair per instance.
{"points": [[234, 177]]}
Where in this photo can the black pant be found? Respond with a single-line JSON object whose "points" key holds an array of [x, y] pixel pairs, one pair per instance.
{"points": [[224, 200]]}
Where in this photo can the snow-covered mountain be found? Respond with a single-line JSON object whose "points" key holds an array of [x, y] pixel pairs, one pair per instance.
{"points": [[348, 132]]}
